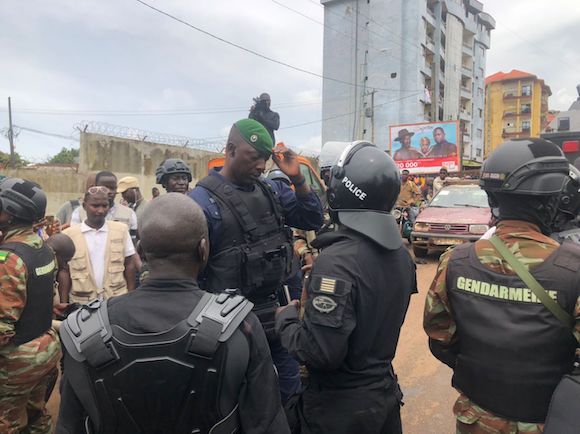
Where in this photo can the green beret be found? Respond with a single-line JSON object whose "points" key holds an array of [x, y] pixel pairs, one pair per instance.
{"points": [[255, 135]]}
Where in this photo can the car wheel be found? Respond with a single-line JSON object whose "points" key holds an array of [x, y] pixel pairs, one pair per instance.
{"points": [[420, 252]]}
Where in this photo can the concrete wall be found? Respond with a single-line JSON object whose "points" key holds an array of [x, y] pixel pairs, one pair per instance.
{"points": [[123, 157]]}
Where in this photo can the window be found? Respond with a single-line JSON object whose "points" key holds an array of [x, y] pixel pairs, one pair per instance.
{"points": [[563, 124], [478, 152], [525, 125], [527, 90], [526, 108], [480, 113], [479, 133]]}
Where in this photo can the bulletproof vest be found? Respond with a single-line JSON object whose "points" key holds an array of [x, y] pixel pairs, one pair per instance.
{"points": [[255, 249], [512, 350], [36, 318], [181, 381]]}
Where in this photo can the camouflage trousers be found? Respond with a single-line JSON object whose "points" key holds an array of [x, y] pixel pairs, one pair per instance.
{"points": [[24, 377], [472, 419]]}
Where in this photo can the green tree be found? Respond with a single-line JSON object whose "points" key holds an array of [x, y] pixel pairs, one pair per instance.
{"points": [[18, 160], [65, 156]]}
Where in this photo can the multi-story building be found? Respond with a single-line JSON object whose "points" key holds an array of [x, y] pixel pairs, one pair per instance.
{"points": [[516, 107], [389, 62]]}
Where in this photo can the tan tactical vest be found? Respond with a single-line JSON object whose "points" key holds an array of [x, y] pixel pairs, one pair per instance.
{"points": [[84, 287], [122, 214]]}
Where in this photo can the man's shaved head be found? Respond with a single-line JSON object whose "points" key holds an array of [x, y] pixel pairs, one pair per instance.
{"points": [[62, 246], [171, 225]]}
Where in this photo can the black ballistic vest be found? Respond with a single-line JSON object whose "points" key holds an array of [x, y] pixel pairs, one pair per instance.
{"points": [[181, 381], [36, 318], [512, 350], [255, 252]]}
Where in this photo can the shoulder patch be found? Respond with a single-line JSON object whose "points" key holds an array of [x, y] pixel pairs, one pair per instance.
{"points": [[324, 304], [330, 285], [3, 256]]}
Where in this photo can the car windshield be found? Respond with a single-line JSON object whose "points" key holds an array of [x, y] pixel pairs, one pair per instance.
{"points": [[460, 197]]}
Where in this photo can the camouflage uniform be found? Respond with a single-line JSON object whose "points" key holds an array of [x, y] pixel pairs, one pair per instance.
{"points": [[24, 369], [531, 247]]}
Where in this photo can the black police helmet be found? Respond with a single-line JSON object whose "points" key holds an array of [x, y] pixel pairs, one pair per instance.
{"points": [[22, 199], [525, 167], [364, 186], [170, 167], [277, 174]]}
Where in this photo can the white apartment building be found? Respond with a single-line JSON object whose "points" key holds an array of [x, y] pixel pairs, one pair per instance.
{"points": [[389, 62]]}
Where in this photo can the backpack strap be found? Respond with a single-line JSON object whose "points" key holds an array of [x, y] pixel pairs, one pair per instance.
{"points": [[87, 334], [216, 318], [532, 283]]}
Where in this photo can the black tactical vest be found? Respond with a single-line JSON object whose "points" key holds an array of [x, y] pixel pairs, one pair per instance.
{"points": [[182, 381], [255, 251], [36, 318], [512, 350]]}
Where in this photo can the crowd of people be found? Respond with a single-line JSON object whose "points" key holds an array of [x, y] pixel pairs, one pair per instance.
{"points": [[175, 314]]}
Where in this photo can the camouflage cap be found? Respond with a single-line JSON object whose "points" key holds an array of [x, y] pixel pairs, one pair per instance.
{"points": [[254, 133]]}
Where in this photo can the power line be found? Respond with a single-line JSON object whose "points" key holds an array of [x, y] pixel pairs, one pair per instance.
{"points": [[348, 114], [255, 53], [326, 26], [160, 112], [45, 133], [535, 46]]}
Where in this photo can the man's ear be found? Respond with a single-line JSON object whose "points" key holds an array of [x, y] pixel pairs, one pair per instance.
{"points": [[231, 149], [203, 251]]}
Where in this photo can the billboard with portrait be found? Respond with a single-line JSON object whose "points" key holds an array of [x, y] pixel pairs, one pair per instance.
{"points": [[427, 147]]}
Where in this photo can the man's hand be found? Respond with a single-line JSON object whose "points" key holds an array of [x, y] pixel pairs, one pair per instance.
{"points": [[59, 309], [294, 304], [286, 160]]}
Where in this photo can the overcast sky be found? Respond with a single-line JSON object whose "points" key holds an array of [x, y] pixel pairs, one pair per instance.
{"points": [[121, 63]]}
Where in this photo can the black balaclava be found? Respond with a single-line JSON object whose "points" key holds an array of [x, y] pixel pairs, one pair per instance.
{"points": [[539, 210]]}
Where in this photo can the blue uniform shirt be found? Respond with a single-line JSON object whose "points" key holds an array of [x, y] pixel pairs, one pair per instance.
{"points": [[300, 211]]}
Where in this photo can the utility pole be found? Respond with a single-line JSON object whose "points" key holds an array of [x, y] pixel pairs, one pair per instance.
{"points": [[10, 133], [373, 116]]}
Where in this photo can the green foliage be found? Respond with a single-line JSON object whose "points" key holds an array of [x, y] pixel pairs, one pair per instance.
{"points": [[65, 156], [5, 160]]}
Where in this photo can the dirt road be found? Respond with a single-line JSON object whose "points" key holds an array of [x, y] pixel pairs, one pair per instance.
{"points": [[426, 382]]}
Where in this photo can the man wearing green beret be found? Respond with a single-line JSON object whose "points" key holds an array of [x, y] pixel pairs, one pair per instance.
{"points": [[249, 220]]}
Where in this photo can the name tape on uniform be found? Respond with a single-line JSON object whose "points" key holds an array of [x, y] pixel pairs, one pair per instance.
{"points": [[353, 188], [502, 292]]}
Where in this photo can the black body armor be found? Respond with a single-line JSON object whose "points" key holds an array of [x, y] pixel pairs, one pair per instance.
{"points": [[181, 381], [255, 253], [495, 312], [36, 318]]}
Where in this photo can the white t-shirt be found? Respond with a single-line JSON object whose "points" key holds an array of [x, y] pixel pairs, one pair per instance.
{"points": [[96, 240], [76, 217], [490, 232]]}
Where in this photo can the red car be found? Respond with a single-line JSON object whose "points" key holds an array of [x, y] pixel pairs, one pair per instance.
{"points": [[459, 213]]}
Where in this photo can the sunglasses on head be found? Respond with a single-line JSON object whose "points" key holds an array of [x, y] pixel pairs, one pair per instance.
{"points": [[98, 189]]}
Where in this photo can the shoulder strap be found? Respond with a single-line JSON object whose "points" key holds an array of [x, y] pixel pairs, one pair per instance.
{"points": [[534, 285], [274, 201], [216, 318], [227, 194], [86, 334]]}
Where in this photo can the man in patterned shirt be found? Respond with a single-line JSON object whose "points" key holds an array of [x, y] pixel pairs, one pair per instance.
{"points": [[507, 350]]}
